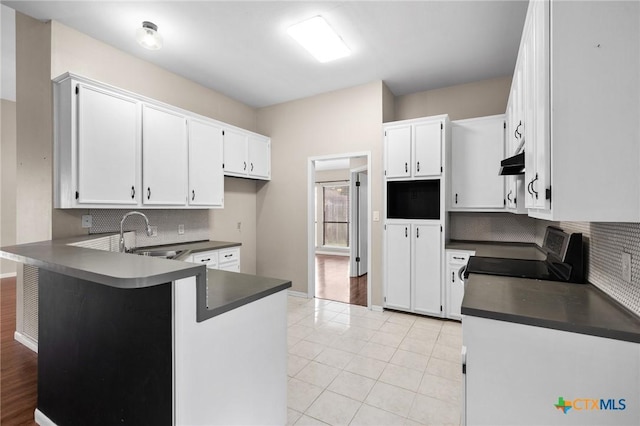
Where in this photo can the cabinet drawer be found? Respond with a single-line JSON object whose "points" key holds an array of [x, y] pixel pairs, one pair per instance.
{"points": [[229, 255], [209, 258], [458, 256]]}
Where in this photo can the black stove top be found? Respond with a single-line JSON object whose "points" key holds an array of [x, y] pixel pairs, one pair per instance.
{"points": [[564, 261]]}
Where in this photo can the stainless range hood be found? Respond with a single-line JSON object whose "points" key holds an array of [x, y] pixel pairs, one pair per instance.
{"points": [[512, 165]]}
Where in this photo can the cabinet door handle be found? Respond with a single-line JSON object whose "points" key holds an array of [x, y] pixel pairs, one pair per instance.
{"points": [[533, 190], [509, 196], [406, 232], [406, 168], [251, 166], [453, 277], [529, 188], [418, 166], [205, 260], [417, 232], [148, 193], [193, 194], [133, 192], [228, 255], [517, 134], [245, 166], [458, 258]]}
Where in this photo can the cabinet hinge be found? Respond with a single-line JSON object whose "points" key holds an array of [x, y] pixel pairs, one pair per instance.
{"points": [[77, 195], [358, 259], [440, 228], [223, 165], [440, 308], [441, 169], [385, 227], [385, 298], [547, 193], [385, 133], [385, 172], [504, 202], [441, 126], [504, 124], [464, 368], [223, 133], [358, 183], [77, 90]]}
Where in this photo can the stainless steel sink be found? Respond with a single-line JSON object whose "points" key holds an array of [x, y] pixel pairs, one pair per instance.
{"points": [[164, 254]]}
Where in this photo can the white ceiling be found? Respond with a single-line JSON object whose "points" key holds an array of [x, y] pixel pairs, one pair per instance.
{"points": [[241, 48]]}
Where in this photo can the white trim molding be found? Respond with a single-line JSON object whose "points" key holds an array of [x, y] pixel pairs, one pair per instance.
{"points": [[26, 341]]}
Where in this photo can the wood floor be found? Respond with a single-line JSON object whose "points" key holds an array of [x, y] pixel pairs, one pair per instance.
{"points": [[333, 281], [18, 365]]}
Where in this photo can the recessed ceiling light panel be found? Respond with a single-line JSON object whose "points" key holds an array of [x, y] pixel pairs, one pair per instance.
{"points": [[148, 36], [319, 39]]}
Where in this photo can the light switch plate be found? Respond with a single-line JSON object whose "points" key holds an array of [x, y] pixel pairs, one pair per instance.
{"points": [[626, 267], [376, 216], [87, 221], [180, 229]]}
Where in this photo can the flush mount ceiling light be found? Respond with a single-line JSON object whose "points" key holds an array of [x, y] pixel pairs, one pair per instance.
{"points": [[148, 37], [319, 39]]}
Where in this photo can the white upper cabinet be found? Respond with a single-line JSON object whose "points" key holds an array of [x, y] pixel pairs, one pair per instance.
{"points": [[206, 179], [108, 147], [477, 147], [164, 157], [117, 149], [246, 154], [413, 148], [259, 156], [427, 149], [398, 151], [581, 78], [235, 152]]}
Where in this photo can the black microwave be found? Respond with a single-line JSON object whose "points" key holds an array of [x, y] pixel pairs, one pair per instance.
{"points": [[413, 199]]}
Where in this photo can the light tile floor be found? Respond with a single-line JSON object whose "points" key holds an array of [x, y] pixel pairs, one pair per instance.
{"points": [[351, 366]]}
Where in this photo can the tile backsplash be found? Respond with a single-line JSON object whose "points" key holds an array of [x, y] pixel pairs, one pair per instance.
{"points": [[196, 225], [604, 245]]}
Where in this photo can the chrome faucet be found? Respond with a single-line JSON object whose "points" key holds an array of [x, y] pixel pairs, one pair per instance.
{"points": [[149, 232]]}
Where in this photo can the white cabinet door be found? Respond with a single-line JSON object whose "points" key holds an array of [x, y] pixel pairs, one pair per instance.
{"points": [[455, 291], [427, 141], [108, 147], [426, 276], [477, 149], [398, 266], [164, 157], [235, 152], [259, 157], [398, 152], [206, 179]]}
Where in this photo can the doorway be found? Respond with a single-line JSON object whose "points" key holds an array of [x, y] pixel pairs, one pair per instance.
{"points": [[339, 228]]}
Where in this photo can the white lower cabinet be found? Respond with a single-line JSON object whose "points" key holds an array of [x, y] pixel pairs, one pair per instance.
{"points": [[413, 267], [454, 282], [227, 259], [518, 374]]}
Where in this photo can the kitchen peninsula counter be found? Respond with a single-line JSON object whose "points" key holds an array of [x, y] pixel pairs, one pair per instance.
{"points": [[135, 339]]}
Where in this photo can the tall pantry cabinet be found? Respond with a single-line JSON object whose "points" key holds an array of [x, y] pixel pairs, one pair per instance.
{"points": [[414, 217]]}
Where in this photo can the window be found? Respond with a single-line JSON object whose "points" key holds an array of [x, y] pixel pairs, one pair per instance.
{"points": [[335, 201]]}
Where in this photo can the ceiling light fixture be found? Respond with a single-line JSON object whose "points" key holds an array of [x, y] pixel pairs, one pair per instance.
{"points": [[319, 39], [148, 36]]}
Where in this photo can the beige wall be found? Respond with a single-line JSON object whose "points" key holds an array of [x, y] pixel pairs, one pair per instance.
{"points": [[478, 99], [341, 122], [7, 180], [33, 130]]}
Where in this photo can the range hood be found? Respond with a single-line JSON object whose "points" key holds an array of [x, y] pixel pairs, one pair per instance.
{"points": [[512, 165]]}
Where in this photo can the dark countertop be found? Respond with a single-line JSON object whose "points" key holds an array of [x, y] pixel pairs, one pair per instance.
{"points": [[227, 290], [577, 308], [187, 249]]}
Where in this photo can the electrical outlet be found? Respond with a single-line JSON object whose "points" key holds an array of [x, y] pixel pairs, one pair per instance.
{"points": [[154, 231], [87, 221], [626, 267], [180, 229]]}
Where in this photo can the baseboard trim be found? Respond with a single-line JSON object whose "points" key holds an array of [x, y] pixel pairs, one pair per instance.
{"points": [[377, 308], [26, 341], [41, 419], [8, 275], [297, 294]]}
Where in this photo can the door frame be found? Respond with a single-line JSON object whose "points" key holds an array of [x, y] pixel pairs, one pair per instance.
{"points": [[353, 206], [311, 247]]}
